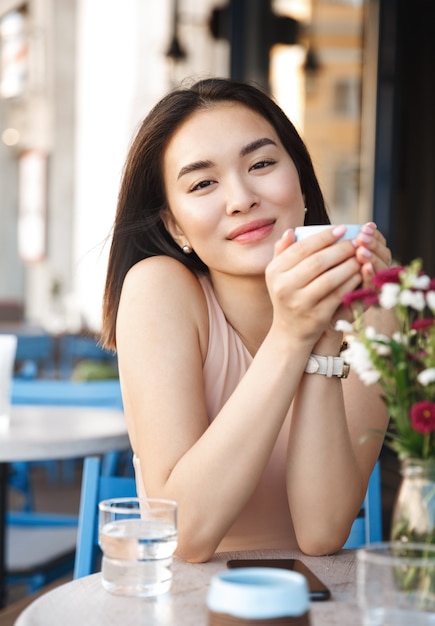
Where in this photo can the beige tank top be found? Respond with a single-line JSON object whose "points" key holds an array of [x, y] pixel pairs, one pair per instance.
{"points": [[265, 522]]}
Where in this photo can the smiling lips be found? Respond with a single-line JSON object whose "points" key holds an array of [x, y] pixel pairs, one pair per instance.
{"points": [[254, 231]]}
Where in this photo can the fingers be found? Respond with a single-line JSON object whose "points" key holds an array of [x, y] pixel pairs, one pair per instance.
{"points": [[367, 273], [333, 283], [371, 249], [320, 279], [317, 253], [313, 258], [307, 247], [308, 278], [286, 240]]}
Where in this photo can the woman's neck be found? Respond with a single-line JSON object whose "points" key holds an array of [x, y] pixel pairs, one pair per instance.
{"points": [[246, 305]]}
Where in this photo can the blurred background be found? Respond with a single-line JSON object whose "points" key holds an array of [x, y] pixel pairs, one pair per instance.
{"points": [[357, 77]]}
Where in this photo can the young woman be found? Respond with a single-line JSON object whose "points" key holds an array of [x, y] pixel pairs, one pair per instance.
{"points": [[214, 310]]}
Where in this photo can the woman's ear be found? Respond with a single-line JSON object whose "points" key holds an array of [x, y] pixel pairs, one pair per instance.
{"points": [[171, 225]]}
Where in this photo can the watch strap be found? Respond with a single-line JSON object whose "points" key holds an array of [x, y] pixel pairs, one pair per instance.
{"points": [[327, 366]]}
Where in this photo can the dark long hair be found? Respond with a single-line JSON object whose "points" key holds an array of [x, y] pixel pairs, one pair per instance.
{"points": [[139, 231]]}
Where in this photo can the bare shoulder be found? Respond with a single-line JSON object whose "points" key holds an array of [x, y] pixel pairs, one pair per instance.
{"points": [[173, 290], [162, 274]]}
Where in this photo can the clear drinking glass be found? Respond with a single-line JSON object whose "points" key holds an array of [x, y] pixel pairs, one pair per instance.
{"points": [[396, 584], [138, 537]]}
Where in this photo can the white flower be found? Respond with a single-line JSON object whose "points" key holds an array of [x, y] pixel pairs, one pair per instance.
{"points": [[413, 299], [358, 356], [430, 299], [389, 295], [370, 333], [400, 338], [373, 335], [382, 338], [380, 342], [426, 376], [382, 349], [420, 282], [343, 326], [369, 377]]}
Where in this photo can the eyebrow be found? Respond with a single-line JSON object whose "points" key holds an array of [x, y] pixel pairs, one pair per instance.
{"points": [[192, 167], [248, 149], [255, 145]]}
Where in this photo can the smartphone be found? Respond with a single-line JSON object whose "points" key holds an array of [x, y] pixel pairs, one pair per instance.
{"points": [[317, 589]]}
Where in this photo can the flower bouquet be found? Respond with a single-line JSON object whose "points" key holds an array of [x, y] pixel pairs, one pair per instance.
{"points": [[402, 363]]}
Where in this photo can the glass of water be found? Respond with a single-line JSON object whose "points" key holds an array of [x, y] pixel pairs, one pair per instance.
{"points": [[138, 537], [396, 584]]}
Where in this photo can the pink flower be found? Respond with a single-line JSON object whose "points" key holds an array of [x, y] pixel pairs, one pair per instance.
{"points": [[368, 297], [391, 275], [423, 417], [423, 323]]}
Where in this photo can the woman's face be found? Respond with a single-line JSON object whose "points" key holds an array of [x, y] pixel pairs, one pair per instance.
{"points": [[232, 188]]}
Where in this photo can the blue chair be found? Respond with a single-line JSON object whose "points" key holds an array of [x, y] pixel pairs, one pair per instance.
{"points": [[57, 555], [35, 356], [96, 393], [95, 487], [367, 527], [76, 349], [40, 547]]}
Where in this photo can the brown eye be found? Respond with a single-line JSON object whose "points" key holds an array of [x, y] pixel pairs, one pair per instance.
{"points": [[262, 164], [202, 185]]}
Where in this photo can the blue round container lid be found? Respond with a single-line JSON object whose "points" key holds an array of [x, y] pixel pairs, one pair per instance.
{"points": [[259, 593]]}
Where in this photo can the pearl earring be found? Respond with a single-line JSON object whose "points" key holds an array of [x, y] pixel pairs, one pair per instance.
{"points": [[187, 249], [306, 210]]}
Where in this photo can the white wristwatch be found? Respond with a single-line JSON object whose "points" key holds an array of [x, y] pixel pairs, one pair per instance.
{"points": [[328, 366]]}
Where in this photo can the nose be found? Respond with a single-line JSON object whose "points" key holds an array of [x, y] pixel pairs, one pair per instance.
{"points": [[241, 198]]}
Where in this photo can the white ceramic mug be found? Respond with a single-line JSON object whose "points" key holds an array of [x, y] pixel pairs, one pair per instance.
{"points": [[302, 232]]}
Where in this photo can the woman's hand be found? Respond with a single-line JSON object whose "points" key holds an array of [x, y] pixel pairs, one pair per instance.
{"points": [[307, 280], [372, 252]]}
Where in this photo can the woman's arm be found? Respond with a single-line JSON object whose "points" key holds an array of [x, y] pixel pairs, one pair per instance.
{"points": [[332, 451], [211, 470], [333, 445]]}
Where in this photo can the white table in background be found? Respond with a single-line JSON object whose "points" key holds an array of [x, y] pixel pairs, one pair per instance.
{"points": [[84, 601], [39, 432]]}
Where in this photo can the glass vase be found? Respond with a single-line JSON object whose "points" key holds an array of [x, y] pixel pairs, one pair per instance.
{"points": [[413, 517]]}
